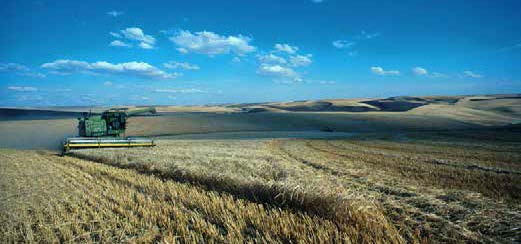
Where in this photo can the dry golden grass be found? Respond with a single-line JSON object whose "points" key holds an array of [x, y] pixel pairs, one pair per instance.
{"points": [[459, 186], [46, 198]]}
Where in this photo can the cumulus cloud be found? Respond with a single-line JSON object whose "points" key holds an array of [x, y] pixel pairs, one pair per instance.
{"points": [[138, 69], [118, 43], [420, 71], [285, 48], [209, 43], [471, 74], [19, 69], [115, 13], [114, 34], [188, 90], [380, 71], [343, 44], [133, 34], [236, 59], [271, 58], [182, 65], [145, 45], [182, 50], [277, 71], [300, 60]]}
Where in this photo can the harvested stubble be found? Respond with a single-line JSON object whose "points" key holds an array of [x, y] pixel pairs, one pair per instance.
{"points": [[410, 187], [46, 198], [441, 189]]}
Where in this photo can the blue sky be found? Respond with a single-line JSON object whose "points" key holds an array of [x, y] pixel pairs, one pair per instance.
{"points": [[70, 53]]}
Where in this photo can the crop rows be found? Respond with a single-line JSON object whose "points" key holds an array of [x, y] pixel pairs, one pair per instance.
{"points": [[413, 187]]}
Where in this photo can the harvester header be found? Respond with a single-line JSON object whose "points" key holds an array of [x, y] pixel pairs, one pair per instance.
{"points": [[107, 130]]}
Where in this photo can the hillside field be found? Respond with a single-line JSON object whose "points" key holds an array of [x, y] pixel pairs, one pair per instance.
{"points": [[445, 171]]}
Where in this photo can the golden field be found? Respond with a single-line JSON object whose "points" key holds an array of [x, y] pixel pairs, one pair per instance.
{"points": [[371, 187], [396, 170]]}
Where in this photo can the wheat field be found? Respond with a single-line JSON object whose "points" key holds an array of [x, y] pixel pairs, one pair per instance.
{"points": [[416, 187]]}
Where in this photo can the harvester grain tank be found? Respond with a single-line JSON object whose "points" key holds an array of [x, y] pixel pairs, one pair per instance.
{"points": [[107, 130]]}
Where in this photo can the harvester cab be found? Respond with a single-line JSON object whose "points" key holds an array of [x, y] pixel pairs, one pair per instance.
{"points": [[107, 130]]}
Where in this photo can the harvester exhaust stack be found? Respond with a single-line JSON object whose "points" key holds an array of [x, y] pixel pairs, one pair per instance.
{"points": [[105, 130]]}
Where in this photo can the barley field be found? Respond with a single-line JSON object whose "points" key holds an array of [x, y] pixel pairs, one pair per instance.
{"points": [[414, 187]]}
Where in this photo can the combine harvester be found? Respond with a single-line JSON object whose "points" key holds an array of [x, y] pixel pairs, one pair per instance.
{"points": [[106, 130]]}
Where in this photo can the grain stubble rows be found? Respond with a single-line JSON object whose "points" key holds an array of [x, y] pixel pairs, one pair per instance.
{"points": [[416, 187]]}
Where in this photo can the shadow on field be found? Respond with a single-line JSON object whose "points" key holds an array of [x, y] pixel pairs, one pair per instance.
{"points": [[328, 206]]}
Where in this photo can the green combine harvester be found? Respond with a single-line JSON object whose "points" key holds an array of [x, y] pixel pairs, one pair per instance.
{"points": [[106, 130]]}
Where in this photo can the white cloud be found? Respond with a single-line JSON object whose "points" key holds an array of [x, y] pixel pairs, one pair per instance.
{"points": [[114, 34], [107, 83], [327, 82], [23, 88], [19, 69], [138, 69], [471, 74], [182, 50], [115, 13], [380, 71], [118, 43], [236, 59], [29, 98], [6, 67], [420, 71], [66, 66], [343, 44], [366, 36], [210, 43], [145, 45], [285, 48], [136, 34], [300, 60], [189, 90], [33, 74], [182, 65], [277, 71], [271, 58]]}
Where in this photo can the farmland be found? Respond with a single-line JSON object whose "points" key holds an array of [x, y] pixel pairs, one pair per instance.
{"points": [[410, 187], [439, 172]]}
